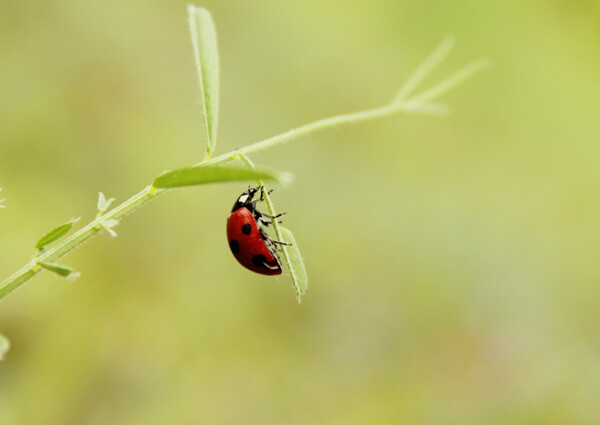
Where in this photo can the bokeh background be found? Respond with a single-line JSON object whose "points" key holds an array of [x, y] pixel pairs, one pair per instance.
{"points": [[453, 263]]}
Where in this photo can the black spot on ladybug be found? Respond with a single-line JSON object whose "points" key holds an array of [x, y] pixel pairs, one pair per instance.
{"points": [[235, 246], [246, 228], [259, 260]]}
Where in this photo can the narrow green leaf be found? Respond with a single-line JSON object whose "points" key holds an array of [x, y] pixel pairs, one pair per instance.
{"points": [[103, 203], [291, 253], [204, 41], [54, 234], [63, 271], [4, 346], [440, 53], [449, 83], [191, 176], [294, 262]]}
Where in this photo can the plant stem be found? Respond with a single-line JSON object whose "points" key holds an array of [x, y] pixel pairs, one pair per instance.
{"points": [[32, 268], [417, 105], [294, 133]]}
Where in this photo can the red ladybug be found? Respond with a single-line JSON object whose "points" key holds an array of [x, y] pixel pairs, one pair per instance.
{"points": [[249, 243]]}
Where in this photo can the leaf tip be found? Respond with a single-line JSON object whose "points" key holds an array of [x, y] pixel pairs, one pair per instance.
{"points": [[300, 295], [285, 178], [73, 276]]}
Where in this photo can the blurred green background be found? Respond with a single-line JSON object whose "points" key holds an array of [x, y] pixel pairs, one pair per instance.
{"points": [[453, 263]]}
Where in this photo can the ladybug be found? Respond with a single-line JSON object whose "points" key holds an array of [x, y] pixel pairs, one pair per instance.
{"points": [[248, 241]]}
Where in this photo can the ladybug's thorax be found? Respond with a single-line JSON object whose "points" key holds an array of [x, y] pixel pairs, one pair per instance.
{"points": [[245, 200]]}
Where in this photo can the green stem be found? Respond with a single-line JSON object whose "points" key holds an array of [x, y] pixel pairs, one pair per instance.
{"points": [[419, 104], [32, 268], [294, 133]]}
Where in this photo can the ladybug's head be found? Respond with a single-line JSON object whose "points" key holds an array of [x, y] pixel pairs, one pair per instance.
{"points": [[245, 199]]}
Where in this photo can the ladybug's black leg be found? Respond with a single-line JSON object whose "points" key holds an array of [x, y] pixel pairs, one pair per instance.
{"points": [[259, 214], [267, 223], [272, 217], [259, 217], [262, 192], [276, 242], [269, 240]]}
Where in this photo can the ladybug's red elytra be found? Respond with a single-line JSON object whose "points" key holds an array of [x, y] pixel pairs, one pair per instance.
{"points": [[248, 241]]}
